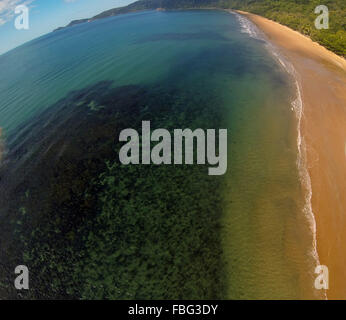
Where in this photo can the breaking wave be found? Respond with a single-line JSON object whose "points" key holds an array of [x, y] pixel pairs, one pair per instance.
{"points": [[247, 26], [297, 106]]}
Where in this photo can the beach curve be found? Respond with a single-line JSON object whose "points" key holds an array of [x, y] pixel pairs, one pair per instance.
{"points": [[321, 82]]}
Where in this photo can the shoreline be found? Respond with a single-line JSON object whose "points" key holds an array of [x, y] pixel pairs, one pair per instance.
{"points": [[321, 81]]}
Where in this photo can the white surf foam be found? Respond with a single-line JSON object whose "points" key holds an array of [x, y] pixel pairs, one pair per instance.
{"points": [[246, 26], [298, 108]]}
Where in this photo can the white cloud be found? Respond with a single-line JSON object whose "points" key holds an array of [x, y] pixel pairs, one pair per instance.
{"points": [[7, 8]]}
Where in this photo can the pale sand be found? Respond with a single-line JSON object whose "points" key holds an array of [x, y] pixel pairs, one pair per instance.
{"points": [[322, 77]]}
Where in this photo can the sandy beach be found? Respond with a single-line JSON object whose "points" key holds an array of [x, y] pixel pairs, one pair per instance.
{"points": [[322, 78]]}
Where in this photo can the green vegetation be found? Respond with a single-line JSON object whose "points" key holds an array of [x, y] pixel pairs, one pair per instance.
{"points": [[299, 15], [296, 14]]}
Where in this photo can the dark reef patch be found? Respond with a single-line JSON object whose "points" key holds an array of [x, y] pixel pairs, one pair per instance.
{"points": [[90, 228]]}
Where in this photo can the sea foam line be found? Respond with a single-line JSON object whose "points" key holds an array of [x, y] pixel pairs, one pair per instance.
{"points": [[246, 26], [302, 165], [298, 107]]}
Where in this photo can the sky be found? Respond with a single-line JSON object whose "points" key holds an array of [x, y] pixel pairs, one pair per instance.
{"points": [[45, 16]]}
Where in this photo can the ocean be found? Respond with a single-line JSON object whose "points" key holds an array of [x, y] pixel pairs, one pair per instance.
{"points": [[89, 227]]}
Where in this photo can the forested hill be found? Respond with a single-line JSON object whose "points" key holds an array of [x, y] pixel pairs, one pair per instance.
{"points": [[296, 14], [299, 15]]}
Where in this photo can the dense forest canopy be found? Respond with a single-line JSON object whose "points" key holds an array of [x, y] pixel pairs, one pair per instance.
{"points": [[299, 15], [296, 14]]}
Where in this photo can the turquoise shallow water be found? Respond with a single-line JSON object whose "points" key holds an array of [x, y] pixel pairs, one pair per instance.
{"points": [[140, 48], [203, 61]]}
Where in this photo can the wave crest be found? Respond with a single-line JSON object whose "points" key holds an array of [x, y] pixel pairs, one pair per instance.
{"points": [[298, 108], [246, 26]]}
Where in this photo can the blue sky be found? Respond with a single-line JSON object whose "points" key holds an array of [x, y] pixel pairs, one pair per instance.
{"points": [[45, 16]]}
